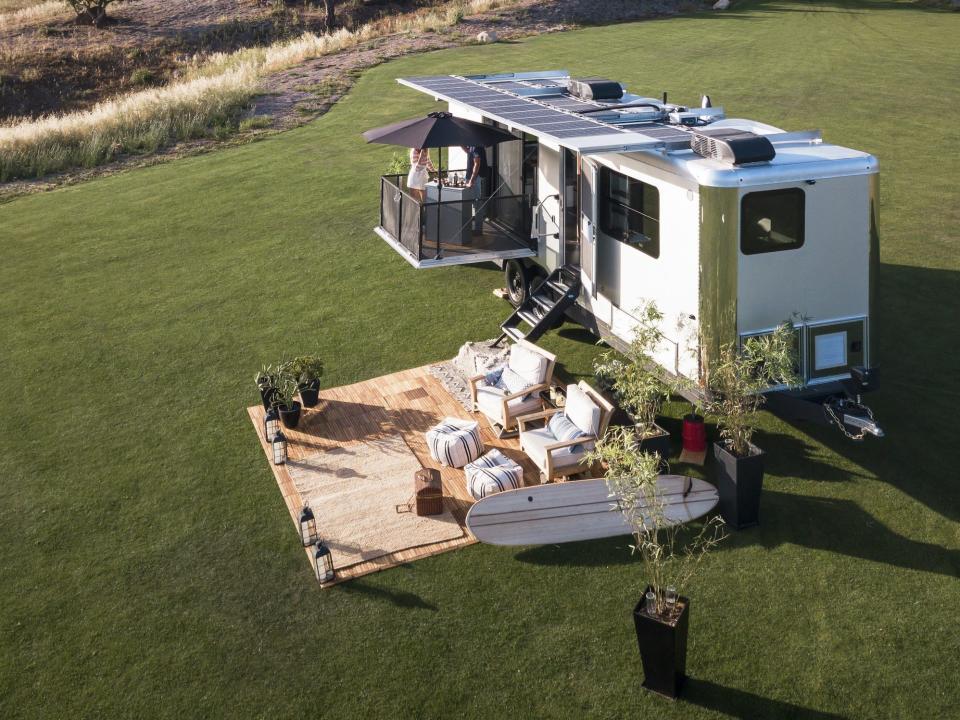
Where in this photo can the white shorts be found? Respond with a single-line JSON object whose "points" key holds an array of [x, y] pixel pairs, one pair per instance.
{"points": [[417, 178]]}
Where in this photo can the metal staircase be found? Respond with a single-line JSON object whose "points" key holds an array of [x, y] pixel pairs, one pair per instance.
{"points": [[544, 307]]}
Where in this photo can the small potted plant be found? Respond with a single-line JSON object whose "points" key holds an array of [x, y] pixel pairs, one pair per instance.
{"points": [[284, 393], [638, 384], [308, 369], [266, 380], [695, 429], [737, 384], [671, 554]]}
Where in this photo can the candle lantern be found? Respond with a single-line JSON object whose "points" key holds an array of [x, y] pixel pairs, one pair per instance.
{"points": [[308, 527], [279, 446], [323, 562], [271, 423]]}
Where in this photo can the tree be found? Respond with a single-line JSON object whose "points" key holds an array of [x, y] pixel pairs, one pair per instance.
{"points": [[330, 6], [91, 12]]}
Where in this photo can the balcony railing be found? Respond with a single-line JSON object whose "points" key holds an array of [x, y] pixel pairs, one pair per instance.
{"points": [[459, 230]]}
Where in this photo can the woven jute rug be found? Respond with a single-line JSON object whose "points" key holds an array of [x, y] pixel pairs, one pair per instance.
{"points": [[359, 494]]}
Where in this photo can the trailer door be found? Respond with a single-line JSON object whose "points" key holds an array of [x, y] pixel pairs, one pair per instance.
{"points": [[588, 232]]}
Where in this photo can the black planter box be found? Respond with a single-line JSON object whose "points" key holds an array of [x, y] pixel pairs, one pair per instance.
{"points": [[739, 483], [266, 396], [310, 394], [657, 444], [663, 649], [290, 414]]}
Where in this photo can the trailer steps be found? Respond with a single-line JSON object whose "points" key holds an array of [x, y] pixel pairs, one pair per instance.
{"points": [[544, 307]]}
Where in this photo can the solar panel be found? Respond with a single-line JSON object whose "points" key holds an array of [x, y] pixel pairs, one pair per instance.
{"points": [[542, 106]]}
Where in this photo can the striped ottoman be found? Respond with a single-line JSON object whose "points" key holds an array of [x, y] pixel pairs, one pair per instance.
{"points": [[455, 442], [492, 473]]}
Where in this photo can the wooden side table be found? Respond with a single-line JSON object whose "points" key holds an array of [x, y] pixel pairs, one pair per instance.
{"points": [[427, 492]]}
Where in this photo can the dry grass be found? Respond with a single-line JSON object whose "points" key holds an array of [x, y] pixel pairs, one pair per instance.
{"points": [[18, 12], [210, 93]]}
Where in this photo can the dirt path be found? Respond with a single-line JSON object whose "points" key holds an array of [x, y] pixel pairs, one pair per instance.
{"points": [[305, 92]]}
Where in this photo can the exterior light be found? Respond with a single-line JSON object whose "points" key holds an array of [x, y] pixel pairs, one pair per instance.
{"points": [[271, 423], [279, 446], [308, 527], [323, 563]]}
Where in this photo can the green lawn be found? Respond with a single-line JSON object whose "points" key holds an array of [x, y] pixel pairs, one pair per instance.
{"points": [[147, 564]]}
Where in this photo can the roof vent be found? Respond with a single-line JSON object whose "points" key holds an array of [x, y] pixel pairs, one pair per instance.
{"points": [[595, 89], [733, 146]]}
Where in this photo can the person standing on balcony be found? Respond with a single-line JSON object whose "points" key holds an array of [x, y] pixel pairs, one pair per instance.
{"points": [[477, 170], [420, 168]]}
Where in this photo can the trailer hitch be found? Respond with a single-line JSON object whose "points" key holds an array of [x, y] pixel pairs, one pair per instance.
{"points": [[854, 419]]}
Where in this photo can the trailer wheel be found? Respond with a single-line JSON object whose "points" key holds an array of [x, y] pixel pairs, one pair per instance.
{"points": [[517, 281]]}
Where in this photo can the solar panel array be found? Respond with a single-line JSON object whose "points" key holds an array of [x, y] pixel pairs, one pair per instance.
{"points": [[500, 99]]}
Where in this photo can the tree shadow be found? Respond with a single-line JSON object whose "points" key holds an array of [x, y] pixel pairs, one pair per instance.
{"points": [[406, 600], [745, 705]]}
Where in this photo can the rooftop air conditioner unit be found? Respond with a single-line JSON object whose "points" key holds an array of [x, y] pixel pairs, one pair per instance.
{"points": [[595, 89], [731, 145]]}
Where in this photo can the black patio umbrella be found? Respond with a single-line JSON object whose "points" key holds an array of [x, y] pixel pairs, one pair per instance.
{"points": [[438, 130]]}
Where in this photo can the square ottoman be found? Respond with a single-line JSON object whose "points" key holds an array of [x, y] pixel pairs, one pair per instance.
{"points": [[492, 473], [455, 442]]}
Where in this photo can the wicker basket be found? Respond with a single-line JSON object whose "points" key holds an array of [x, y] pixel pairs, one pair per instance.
{"points": [[428, 492]]}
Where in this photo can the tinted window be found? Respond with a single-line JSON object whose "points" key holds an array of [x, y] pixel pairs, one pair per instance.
{"points": [[630, 211], [771, 221]]}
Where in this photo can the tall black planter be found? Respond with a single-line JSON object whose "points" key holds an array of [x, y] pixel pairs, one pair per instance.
{"points": [[739, 483], [663, 649], [657, 444], [266, 396], [290, 414], [310, 393]]}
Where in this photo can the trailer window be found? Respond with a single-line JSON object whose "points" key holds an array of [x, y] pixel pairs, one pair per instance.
{"points": [[630, 211], [771, 220]]}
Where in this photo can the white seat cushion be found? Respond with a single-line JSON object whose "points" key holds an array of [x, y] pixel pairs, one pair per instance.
{"points": [[529, 365], [534, 444], [582, 411], [455, 442], [490, 403], [492, 473]]}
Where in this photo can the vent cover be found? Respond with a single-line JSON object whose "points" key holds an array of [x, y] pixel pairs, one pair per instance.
{"points": [[595, 89], [730, 145]]}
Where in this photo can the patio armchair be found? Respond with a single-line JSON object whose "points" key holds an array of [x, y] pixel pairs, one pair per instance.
{"points": [[568, 433], [514, 389]]}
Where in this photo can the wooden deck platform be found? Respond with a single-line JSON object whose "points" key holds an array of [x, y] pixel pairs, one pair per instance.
{"points": [[407, 403]]}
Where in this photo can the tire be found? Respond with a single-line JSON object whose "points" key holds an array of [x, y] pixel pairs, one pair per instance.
{"points": [[518, 282]]}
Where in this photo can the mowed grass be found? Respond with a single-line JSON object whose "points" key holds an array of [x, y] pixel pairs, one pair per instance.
{"points": [[147, 564]]}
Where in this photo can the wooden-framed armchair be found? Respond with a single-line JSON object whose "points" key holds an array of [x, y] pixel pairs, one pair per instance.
{"points": [[560, 445], [514, 389]]}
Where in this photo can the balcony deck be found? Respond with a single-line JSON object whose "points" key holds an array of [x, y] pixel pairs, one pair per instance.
{"points": [[412, 228], [405, 403]]}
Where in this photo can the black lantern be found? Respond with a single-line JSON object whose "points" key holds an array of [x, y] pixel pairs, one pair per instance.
{"points": [[323, 562], [279, 445], [308, 527], [271, 423]]}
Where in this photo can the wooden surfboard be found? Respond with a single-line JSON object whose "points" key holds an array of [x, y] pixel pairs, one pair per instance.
{"points": [[577, 510]]}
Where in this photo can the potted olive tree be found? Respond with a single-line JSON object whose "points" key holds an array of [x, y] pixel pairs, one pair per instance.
{"points": [[266, 380], [670, 553], [638, 383], [285, 392], [307, 369], [736, 386]]}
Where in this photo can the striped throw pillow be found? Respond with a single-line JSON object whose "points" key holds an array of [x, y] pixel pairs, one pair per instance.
{"points": [[563, 430]]}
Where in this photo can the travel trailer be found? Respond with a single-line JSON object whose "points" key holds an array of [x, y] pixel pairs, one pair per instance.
{"points": [[609, 199]]}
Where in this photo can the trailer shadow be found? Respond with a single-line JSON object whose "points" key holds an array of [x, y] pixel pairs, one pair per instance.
{"points": [[827, 524], [745, 705]]}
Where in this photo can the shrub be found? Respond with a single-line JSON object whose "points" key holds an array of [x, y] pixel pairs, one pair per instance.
{"points": [[91, 12], [142, 76], [257, 122]]}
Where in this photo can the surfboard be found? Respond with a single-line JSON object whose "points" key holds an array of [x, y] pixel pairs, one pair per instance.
{"points": [[577, 510]]}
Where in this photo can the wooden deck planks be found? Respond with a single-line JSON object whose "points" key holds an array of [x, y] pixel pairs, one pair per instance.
{"points": [[407, 403]]}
